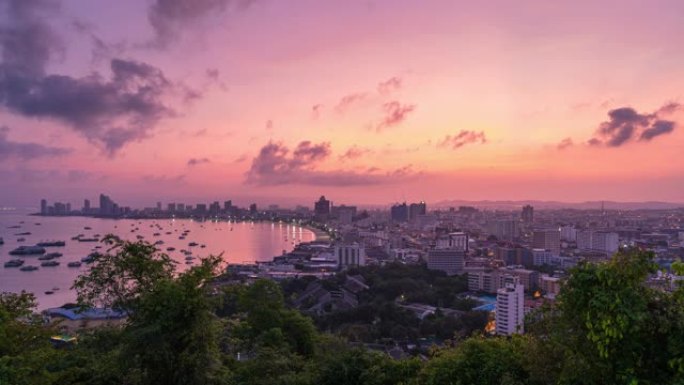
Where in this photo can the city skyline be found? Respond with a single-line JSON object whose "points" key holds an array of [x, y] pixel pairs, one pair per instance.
{"points": [[367, 103]]}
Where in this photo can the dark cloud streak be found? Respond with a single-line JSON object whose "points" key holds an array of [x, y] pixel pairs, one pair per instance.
{"points": [[26, 151]]}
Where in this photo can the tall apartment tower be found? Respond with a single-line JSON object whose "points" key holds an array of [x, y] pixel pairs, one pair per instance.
{"points": [[527, 214], [510, 307], [322, 209]]}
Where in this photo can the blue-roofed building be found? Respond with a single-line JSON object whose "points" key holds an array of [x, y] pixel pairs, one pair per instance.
{"points": [[72, 319]]}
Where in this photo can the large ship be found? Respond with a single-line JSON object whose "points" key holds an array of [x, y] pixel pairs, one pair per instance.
{"points": [[28, 250]]}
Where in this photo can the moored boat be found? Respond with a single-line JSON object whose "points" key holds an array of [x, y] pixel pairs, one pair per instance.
{"points": [[28, 268], [14, 263], [51, 244], [27, 250]]}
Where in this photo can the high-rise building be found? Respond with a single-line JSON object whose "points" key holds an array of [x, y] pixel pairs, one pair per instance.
{"points": [[416, 210], [43, 207], [214, 208], [180, 207], [159, 206], [201, 208], [399, 212], [547, 239], [527, 214], [350, 255], [227, 206], [106, 205], [449, 261], [504, 229], [86, 206], [253, 208], [510, 311], [322, 209], [601, 241], [171, 207]]}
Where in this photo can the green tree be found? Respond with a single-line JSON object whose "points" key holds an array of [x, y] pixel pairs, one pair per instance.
{"points": [[611, 327], [26, 355], [172, 334], [117, 278], [477, 361]]}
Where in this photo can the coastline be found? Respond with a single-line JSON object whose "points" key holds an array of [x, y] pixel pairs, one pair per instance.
{"points": [[321, 236]]}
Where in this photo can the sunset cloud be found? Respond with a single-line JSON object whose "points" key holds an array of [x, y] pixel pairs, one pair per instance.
{"points": [[197, 161], [463, 138], [395, 114], [169, 18], [26, 151], [354, 152], [565, 143], [350, 100], [110, 112], [626, 124], [277, 165], [390, 85]]}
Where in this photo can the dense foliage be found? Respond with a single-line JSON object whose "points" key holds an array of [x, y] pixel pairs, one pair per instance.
{"points": [[607, 327]]}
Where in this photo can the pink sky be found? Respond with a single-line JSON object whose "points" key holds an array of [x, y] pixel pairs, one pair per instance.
{"points": [[363, 101]]}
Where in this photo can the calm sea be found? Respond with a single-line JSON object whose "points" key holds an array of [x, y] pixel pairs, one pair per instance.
{"points": [[241, 242]]}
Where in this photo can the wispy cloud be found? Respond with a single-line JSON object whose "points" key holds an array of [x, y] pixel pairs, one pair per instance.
{"points": [[354, 152], [463, 138], [26, 151], [565, 143], [170, 18], [350, 100], [395, 114], [197, 161], [390, 85]]}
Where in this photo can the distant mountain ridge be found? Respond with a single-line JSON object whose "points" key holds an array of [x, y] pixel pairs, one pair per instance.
{"points": [[587, 205]]}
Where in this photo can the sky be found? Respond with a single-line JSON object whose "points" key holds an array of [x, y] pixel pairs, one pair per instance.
{"points": [[366, 102]]}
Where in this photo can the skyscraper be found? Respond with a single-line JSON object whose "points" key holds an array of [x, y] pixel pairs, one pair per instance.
{"points": [[106, 205], [528, 214], [399, 212], [322, 209], [417, 209], [43, 207]]}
